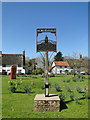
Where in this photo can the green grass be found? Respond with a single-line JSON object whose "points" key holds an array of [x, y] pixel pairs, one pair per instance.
{"points": [[21, 105]]}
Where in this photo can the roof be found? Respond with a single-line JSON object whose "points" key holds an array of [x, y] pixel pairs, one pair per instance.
{"points": [[10, 59], [61, 63], [50, 68]]}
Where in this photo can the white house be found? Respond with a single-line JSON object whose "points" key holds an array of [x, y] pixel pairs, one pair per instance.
{"points": [[60, 67], [6, 60]]}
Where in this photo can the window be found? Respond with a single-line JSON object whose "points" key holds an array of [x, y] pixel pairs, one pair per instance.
{"points": [[19, 71], [65, 66], [4, 65], [19, 65], [60, 71]]}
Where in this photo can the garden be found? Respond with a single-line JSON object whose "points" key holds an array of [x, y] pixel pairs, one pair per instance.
{"points": [[18, 96]]}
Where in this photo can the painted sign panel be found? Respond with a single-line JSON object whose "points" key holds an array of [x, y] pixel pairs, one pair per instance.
{"points": [[46, 43]]}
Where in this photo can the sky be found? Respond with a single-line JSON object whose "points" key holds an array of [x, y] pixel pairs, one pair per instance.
{"points": [[21, 19]]}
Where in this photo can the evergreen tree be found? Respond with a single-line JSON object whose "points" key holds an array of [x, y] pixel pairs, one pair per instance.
{"points": [[58, 57]]}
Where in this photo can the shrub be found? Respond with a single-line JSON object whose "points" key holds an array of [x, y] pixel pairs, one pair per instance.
{"points": [[39, 71], [62, 97], [57, 87], [51, 75], [74, 79], [17, 75], [77, 100], [12, 86], [68, 89], [86, 95], [64, 80], [4, 73], [12, 89], [83, 77], [42, 87], [81, 80], [79, 90], [18, 83], [78, 75], [27, 89], [12, 82], [68, 80], [71, 96], [85, 88], [34, 77]]}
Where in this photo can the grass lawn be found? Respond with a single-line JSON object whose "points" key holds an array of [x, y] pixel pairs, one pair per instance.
{"points": [[21, 104]]}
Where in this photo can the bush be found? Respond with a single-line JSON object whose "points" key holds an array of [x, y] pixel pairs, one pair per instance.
{"points": [[17, 75], [79, 90], [62, 97], [27, 89], [78, 75], [74, 79], [34, 77], [51, 75], [71, 96], [85, 88], [77, 100], [42, 87], [86, 95], [39, 71], [64, 80], [81, 80], [57, 87], [12, 89], [12, 82], [68, 89], [68, 80], [18, 83], [4, 73], [12, 86]]}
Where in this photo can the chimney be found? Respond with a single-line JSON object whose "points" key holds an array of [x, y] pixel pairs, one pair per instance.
{"points": [[24, 58], [24, 53], [80, 56]]}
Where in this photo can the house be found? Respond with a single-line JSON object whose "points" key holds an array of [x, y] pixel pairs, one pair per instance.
{"points": [[60, 67], [6, 60]]}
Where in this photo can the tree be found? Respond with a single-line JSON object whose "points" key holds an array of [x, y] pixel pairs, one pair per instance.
{"points": [[31, 64], [41, 61], [39, 71], [58, 57]]}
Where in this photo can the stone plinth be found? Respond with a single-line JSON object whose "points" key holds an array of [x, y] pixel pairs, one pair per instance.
{"points": [[51, 103]]}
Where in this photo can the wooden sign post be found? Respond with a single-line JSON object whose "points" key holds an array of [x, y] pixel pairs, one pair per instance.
{"points": [[46, 46]]}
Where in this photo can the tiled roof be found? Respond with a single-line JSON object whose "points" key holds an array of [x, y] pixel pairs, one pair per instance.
{"points": [[50, 68], [61, 63]]}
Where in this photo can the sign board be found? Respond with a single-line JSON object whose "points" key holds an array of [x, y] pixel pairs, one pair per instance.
{"points": [[46, 44]]}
